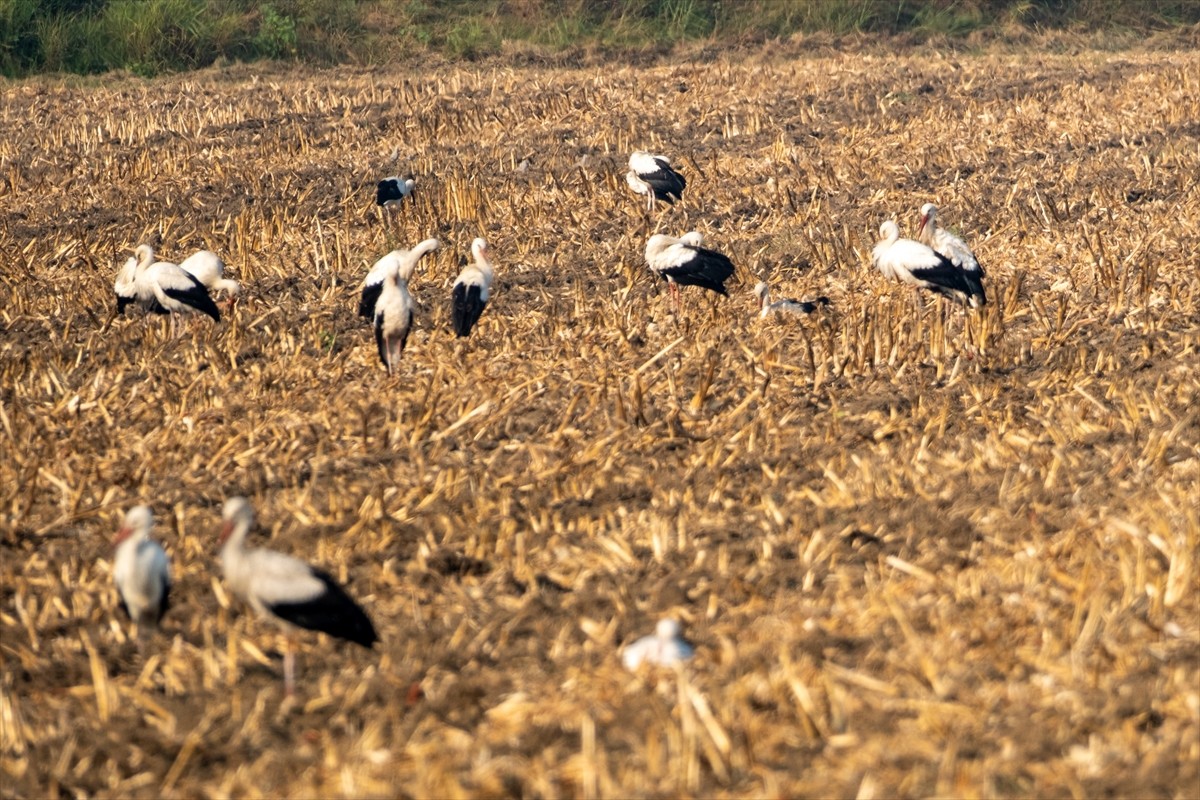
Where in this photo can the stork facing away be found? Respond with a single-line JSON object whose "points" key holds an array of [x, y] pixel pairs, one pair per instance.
{"points": [[286, 590], [653, 177], [916, 264], [471, 291], [955, 250], [141, 572]]}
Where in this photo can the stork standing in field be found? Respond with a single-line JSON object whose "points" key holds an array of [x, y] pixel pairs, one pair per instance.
{"points": [[406, 260], [652, 175], [786, 305], [161, 284], [946, 244], [666, 647], [141, 572], [472, 289], [287, 590], [208, 268], [684, 262], [916, 264], [394, 313], [389, 192], [129, 292]]}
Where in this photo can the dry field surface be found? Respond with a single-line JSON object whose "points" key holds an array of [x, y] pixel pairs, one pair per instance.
{"points": [[920, 551]]}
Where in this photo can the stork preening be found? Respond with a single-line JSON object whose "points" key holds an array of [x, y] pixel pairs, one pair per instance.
{"points": [[654, 177], [287, 590], [684, 262], [406, 260], [208, 268], [919, 265], [394, 313], [141, 572], [472, 289], [946, 244], [163, 287], [785, 306], [390, 191], [666, 647]]}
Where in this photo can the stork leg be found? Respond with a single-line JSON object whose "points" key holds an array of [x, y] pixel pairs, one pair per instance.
{"points": [[289, 667], [674, 295]]}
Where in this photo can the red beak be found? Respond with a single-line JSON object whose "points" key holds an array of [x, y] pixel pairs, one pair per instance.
{"points": [[226, 529], [123, 534], [921, 227]]}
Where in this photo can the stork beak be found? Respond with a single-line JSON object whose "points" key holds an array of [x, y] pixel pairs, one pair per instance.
{"points": [[921, 227], [124, 533], [226, 529]]}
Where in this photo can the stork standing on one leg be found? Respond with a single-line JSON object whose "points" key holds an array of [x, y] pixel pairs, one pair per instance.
{"points": [[286, 590]]}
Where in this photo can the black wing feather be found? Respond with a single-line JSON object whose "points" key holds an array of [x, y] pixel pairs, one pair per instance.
{"points": [[370, 296], [466, 308], [165, 601], [195, 296], [379, 342], [707, 268], [668, 185], [387, 191], [332, 612]]}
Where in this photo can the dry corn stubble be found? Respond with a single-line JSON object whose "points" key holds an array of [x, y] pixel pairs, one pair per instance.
{"points": [[919, 551]]}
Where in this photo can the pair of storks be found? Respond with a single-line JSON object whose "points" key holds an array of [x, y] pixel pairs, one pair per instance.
{"points": [[162, 287], [387, 302], [939, 262], [279, 587]]}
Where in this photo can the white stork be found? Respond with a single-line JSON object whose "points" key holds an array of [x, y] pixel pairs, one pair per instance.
{"points": [[141, 571], [170, 287], [208, 268], [128, 291], [287, 590], [914, 263], [684, 262], [390, 191], [943, 242], [666, 647], [652, 175], [470, 293], [407, 262], [786, 305], [394, 313]]}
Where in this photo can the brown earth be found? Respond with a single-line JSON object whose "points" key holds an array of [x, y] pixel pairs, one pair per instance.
{"points": [[920, 551]]}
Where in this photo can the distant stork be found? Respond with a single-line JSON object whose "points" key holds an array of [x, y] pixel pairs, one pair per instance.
{"points": [[916, 264], [406, 260], [172, 288], [666, 647], [652, 175], [470, 293], [684, 262], [394, 312], [946, 244], [141, 571], [390, 191], [208, 268], [786, 305], [287, 590]]}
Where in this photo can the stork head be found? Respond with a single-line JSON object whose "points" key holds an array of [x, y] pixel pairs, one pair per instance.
{"points": [[145, 255], [667, 629], [889, 231], [138, 521], [237, 513], [928, 215], [760, 289]]}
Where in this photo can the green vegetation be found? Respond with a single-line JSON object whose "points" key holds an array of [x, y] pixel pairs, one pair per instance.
{"points": [[148, 36]]}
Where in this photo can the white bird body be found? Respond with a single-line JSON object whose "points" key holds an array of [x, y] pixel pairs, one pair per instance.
{"points": [[405, 260], [393, 314], [942, 241], [785, 306], [684, 262], [208, 268], [285, 589], [173, 289], [911, 262], [653, 176], [391, 191], [141, 570], [666, 647], [472, 290]]}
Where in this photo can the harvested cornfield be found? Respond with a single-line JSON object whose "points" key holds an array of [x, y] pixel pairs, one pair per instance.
{"points": [[919, 550]]}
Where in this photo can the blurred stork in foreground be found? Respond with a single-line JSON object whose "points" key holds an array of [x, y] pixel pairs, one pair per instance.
{"points": [[666, 647], [652, 175], [287, 590], [472, 289], [141, 572], [955, 250]]}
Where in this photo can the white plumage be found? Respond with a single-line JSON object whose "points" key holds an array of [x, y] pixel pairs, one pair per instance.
{"points": [[472, 289], [285, 589], [919, 265], [394, 314], [161, 286], [942, 241], [208, 268], [405, 260], [684, 262], [141, 570], [666, 647], [652, 176]]}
